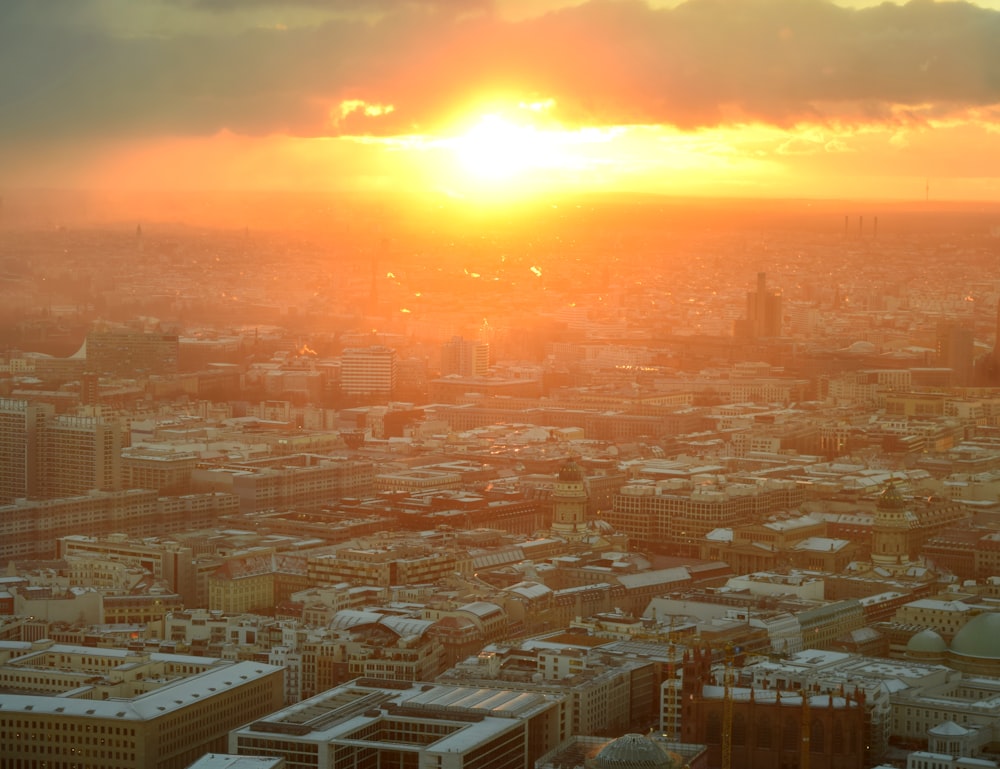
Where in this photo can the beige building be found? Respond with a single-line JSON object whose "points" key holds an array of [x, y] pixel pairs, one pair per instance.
{"points": [[153, 711], [362, 724], [383, 565]]}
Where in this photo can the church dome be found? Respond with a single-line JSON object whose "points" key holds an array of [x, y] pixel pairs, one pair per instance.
{"points": [[634, 751], [978, 638], [890, 498], [926, 642]]}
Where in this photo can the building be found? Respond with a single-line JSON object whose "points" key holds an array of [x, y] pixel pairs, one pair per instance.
{"points": [[956, 351], [21, 426], [384, 564], [770, 726], [367, 723], [165, 469], [465, 357], [679, 514], [79, 454], [763, 312], [301, 481], [164, 560], [131, 353], [157, 711], [569, 504], [31, 527], [44, 455], [368, 372]]}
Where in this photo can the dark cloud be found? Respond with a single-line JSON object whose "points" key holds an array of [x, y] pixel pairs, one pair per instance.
{"points": [[706, 62], [336, 7]]}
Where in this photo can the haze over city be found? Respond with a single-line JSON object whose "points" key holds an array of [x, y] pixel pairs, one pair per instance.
{"points": [[499, 384]]}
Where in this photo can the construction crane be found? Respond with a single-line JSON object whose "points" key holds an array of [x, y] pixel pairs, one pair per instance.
{"points": [[672, 708], [726, 759], [806, 735], [673, 713]]}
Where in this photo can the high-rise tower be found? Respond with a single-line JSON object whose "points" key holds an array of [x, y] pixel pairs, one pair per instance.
{"points": [[763, 315], [21, 427], [956, 350], [80, 454]]}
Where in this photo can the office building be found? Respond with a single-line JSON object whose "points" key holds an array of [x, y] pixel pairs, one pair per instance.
{"points": [[80, 454], [956, 351], [131, 353], [127, 709], [383, 723], [368, 372], [21, 426], [302, 481], [763, 312], [31, 527], [166, 470], [465, 357]]}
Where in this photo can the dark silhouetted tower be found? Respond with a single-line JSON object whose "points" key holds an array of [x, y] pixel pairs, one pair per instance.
{"points": [[956, 350], [763, 316]]}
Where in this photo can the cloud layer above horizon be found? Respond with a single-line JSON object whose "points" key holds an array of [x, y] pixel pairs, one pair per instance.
{"points": [[74, 70]]}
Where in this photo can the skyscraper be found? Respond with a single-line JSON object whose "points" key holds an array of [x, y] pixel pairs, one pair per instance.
{"points": [[956, 350], [763, 315]]}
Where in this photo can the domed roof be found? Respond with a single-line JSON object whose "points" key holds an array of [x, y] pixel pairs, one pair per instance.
{"points": [[948, 729], [926, 642], [978, 638], [890, 498], [571, 471], [633, 751]]}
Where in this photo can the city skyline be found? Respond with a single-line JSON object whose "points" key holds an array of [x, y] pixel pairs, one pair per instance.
{"points": [[503, 100]]}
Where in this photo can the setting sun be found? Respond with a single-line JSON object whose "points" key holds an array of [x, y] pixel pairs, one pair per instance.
{"points": [[498, 149]]}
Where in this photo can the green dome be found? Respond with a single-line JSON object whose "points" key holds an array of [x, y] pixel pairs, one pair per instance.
{"points": [[926, 642], [978, 638]]}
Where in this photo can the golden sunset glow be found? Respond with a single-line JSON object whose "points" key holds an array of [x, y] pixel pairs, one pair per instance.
{"points": [[512, 98]]}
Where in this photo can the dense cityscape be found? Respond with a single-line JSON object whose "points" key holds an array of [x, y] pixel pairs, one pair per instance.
{"points": [[585, 483]]}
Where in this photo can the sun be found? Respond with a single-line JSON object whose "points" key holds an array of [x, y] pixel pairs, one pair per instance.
{"points": [[497, 149]]}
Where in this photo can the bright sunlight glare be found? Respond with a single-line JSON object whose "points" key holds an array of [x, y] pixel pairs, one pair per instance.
{"points": [[497, 149]]}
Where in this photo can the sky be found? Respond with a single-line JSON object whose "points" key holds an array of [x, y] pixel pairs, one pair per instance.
{"points": [[500, 99]]}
